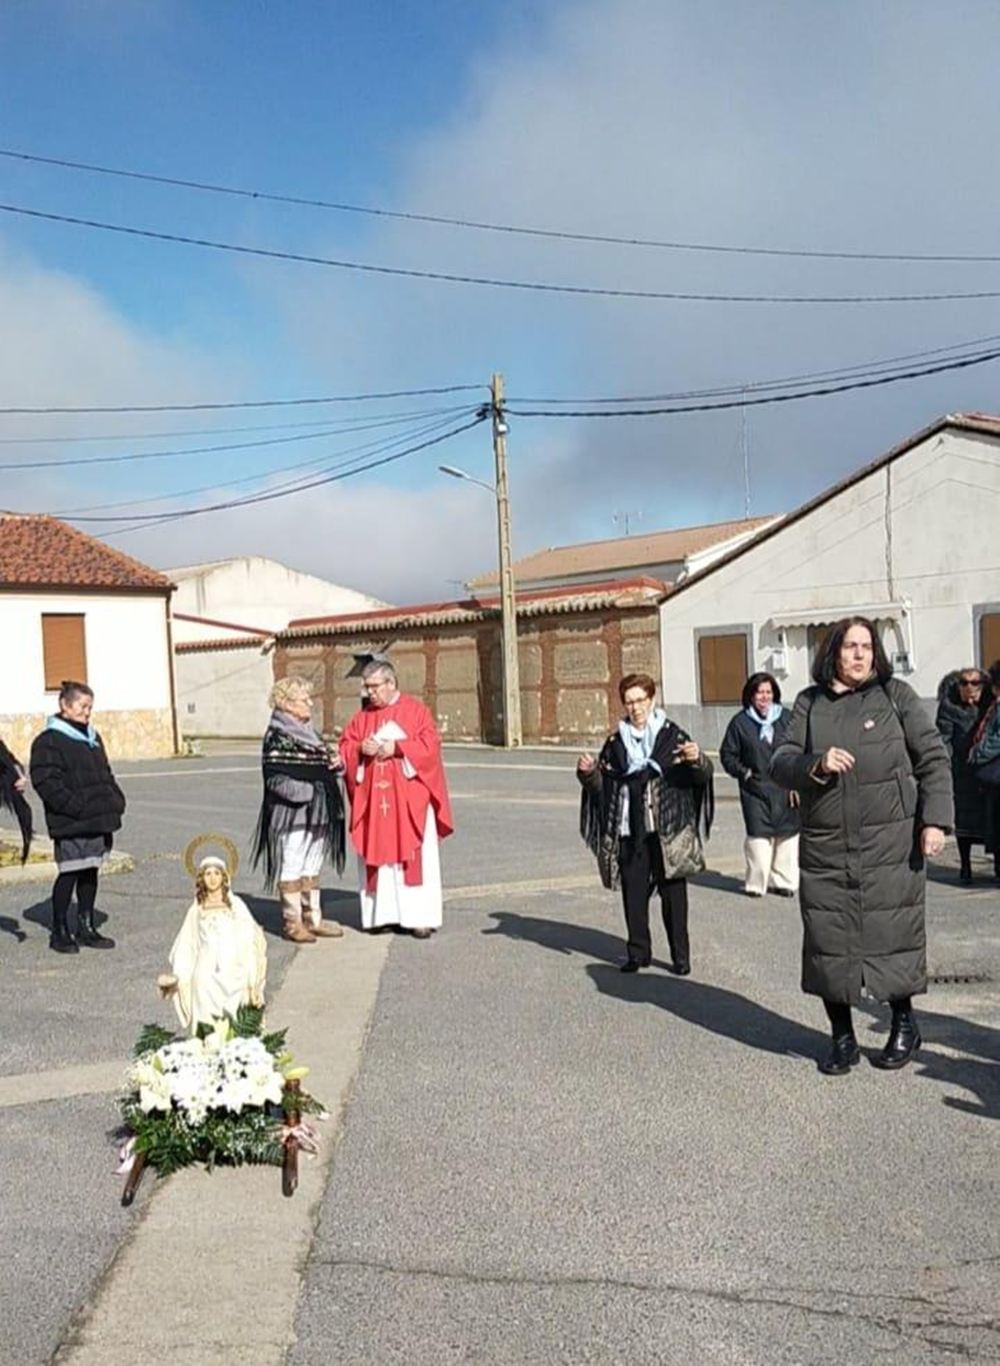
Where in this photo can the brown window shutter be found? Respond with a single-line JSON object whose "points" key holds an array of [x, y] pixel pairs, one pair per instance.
{"points": [[989, 639], [722, 665], [64, 649]]}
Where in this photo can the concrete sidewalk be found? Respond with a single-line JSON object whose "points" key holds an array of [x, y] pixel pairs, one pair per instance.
{"points": [[211, 1272]]}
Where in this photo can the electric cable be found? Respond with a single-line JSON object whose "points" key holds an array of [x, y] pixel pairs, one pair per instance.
{"points": [[189, 450], [245, 403], [164, 518], [345, 424], [496, 282], [480, 225], [750, 402], [761, 386], [345, 457]]}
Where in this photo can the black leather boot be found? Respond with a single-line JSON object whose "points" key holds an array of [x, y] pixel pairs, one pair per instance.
{"points": [[87, 933], [844, 1051], [60, 939], [843, 1055], [903, 1041]]}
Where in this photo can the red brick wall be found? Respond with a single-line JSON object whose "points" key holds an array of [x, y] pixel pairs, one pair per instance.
{"points": [[570, 666]]}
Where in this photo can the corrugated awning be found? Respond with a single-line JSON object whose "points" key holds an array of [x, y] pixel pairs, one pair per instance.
{"points": [[826, 616]]}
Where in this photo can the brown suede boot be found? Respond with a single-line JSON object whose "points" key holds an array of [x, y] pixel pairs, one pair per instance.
{"points": [[291, 913], [312, 913]]}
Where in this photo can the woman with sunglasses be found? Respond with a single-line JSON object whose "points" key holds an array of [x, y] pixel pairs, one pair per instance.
{"points": [[963, 696]]}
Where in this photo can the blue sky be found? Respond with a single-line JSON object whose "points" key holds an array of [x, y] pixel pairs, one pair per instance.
{"points": [[842, 126]]}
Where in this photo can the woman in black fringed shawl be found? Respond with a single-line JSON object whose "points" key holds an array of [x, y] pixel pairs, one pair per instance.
{"points": [[12, 785], [302, 813], [646, 799]]}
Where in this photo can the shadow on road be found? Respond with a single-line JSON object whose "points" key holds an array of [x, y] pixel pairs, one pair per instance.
{"points": [[41, 914], [558, 935], [978, 1072], [8, 925], [713, 1008], [721, 882]]}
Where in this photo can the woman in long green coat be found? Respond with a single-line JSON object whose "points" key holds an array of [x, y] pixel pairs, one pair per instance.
{"points": [[874, 783]]}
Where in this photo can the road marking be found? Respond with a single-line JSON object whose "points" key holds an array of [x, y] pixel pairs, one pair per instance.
{"points": [[514, 801], [185, 772], [188, 772], [89, 1079], [572, 882]]}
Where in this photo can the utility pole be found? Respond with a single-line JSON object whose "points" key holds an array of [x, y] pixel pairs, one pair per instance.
{"points": [[508, 608]]}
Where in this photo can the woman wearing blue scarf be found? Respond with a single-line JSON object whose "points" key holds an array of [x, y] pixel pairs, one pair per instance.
{"points": [[644, 799], [83, 808], [770, 814]]}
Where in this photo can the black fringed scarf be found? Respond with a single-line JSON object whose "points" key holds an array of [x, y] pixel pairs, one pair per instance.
{"points": [[678, 806], [12, 800], [292, 749]]}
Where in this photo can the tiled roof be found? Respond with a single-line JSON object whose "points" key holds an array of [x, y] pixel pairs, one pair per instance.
{"points": [[42, 552], [623, 593], [193, 647], [624, 552]]}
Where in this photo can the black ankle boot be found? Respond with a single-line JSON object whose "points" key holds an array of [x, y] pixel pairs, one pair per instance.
{"points": [[87, 933], [60, 939], [903, 1041], [843, 1055], [634, 964]]}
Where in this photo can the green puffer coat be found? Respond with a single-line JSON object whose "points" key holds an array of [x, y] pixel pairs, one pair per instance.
{"points": [[863, 876]]}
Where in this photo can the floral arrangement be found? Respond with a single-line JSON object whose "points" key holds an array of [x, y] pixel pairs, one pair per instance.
{"points": [[220, 1097]]}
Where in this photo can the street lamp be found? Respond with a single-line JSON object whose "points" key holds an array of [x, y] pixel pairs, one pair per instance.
{"points": [[512, 736]]}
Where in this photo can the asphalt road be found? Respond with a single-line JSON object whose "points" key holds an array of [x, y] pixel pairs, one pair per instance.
{"points": [[544, 1160]]}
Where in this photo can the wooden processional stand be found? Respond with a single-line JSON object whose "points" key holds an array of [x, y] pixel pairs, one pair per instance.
{"points": [[289, 1163]]}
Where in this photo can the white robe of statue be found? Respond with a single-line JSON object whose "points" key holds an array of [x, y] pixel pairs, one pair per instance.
{"points": [[220, 961]]}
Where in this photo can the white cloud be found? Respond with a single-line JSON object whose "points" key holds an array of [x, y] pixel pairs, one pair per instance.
{"points": [[402, 546], [772, 124], [777, 124]]}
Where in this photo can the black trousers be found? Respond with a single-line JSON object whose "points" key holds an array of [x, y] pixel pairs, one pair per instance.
{"points": [[641, 864]]}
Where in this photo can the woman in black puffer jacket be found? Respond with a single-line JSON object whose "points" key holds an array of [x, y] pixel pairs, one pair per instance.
{"points": [[872, 776], [963, 697], [83, 808]]}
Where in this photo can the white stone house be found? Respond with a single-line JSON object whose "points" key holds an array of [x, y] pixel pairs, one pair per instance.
{"points": [[225, 616], [72, 607], [909, 540]]}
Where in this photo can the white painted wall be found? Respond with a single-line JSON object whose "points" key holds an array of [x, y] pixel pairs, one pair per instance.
{"points": [[254, 591], [128, 663], [224, 692], [923, 529]]}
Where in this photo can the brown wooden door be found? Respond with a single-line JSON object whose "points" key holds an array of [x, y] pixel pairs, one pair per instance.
{"points": [[989, 639], [722, 668]]}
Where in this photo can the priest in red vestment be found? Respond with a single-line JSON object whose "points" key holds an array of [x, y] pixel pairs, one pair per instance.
{"points": [[400, 809]]}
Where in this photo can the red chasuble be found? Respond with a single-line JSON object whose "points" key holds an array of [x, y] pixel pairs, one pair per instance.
{"points": [[388, 809]]}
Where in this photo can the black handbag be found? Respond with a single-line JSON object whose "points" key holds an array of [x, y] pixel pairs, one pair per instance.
{"points": [[989, 773]]}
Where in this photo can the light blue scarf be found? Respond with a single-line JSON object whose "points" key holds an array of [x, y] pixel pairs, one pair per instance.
{"points": [[766, 723], [639, 743], [64, 728]]}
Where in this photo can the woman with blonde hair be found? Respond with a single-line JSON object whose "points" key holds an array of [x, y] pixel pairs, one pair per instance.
{"points": [[302, 812]]}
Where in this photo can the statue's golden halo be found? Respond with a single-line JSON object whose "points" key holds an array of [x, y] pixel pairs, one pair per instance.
{"points": [[222, 842]]}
